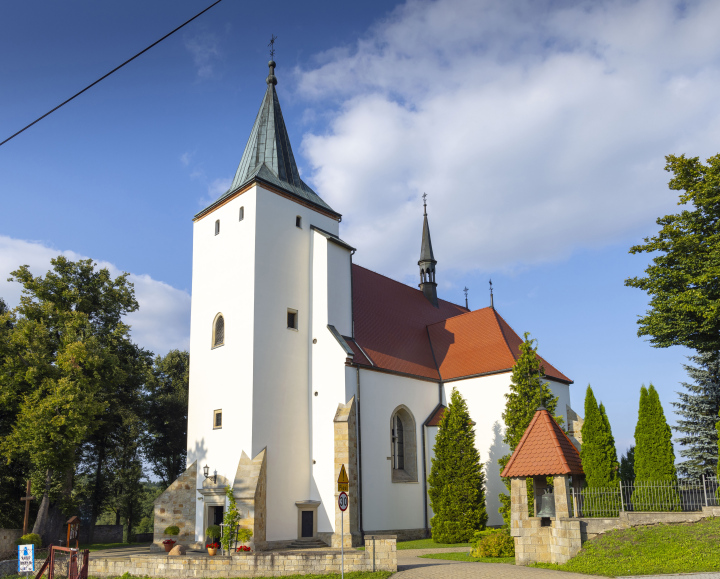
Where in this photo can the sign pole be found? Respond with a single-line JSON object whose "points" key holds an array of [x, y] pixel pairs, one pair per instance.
{"points": [[343, 488], [342, 544]]}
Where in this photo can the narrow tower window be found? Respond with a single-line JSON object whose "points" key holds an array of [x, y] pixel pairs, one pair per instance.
{"points": [[242, 213], [217, 419], [298, 222], [217, 227], [218, 331], [292, 319]]}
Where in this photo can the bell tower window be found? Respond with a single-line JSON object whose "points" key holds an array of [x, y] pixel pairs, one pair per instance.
{"points": [[217, 227], [218, 337]]}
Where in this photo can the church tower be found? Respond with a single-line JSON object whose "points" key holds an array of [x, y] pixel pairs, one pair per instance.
{"points": [[427, 261], [251, 335]]}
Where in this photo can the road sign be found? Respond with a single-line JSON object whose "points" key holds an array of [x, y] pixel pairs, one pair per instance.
{"points": [[26, 558], [343, 480], [343, 501]]}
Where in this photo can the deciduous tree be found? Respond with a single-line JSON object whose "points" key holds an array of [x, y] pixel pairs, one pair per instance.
{"points": [[682, 279]]}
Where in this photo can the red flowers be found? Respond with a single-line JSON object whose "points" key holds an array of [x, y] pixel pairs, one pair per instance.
{"points": [[168, 542], [212, 545], [243, 548]]}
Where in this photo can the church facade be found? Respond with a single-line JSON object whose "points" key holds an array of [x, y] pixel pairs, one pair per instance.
{"points": [[303, 361]]}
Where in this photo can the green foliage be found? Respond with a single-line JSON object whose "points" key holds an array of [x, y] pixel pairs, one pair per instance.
{"points": [[30, 538], [166, 415], [627, 466], [456, 484], [231, 519], [499, 544], [697, 411], [652, 550], [172, 530], [682, 280], [213, 531], [654, 456], [598, 454], [527, 393], [244, 535]]}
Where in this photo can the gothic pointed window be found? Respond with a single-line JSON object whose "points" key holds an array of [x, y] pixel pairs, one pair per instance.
{"points": [[218, 331], [403, 446]]}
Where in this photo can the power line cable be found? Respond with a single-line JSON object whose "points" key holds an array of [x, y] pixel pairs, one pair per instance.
{"points": [[109, 73]]}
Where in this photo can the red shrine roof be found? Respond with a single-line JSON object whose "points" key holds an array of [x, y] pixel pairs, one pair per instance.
{"points": [[399, 330], [543, 450]]}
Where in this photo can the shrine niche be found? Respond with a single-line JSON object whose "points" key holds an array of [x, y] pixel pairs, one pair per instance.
{"points": [[545, 451]]}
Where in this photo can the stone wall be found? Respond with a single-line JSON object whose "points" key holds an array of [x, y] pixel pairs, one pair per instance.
{"points": [[102, 534], [8, 540], [403, 534], [176, 506], [250, 489], [380, 552], [346, 454]]}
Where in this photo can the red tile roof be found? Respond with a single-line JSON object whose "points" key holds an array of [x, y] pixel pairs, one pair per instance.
{"points": [[544, 450], [401, 331], [436, 416]]}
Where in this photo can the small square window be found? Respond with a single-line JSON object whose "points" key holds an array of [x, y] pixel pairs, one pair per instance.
{"points": [[217, 419], [242, 213], [298, 222], [292, 320]]}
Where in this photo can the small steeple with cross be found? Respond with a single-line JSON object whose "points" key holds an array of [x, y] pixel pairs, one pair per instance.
{"points": [[427, 261]]}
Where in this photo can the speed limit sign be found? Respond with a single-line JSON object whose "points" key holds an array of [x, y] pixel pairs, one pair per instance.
{"points": [[343, 501]]}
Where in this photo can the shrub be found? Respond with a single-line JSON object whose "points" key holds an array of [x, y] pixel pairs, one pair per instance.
{"points": [[213, 531], [30, 538], [244, 535], [496, 544], [172, 530]]}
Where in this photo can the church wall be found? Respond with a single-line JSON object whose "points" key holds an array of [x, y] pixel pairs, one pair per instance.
{"points": [[485, 396], [328, 378], [387, 504], [339, 267], [281, 355], [221, 378]]}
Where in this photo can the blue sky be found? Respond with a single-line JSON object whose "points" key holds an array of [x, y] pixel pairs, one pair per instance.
{"points": [[538, 130]]}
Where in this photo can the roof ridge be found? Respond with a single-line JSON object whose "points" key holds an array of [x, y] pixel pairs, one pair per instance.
{"points": [[410, 288], [549, 420], [502, 333], [521, 443], [459, 315]]}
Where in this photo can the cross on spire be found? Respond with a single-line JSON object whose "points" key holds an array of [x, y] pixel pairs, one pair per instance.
{"points": [[271, 44], [492, 305], [466, 290], [424, 196]]}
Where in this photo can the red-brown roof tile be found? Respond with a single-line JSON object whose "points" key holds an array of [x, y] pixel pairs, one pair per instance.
{"points": [[478, 342], [436, 416], [401, 331], [544, 450]]}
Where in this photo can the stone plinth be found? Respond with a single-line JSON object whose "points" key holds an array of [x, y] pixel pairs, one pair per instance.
{"points": [[250, 490], [346, 454]]}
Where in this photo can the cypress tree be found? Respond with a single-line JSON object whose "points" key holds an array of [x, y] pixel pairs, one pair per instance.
{"points": [[527, 393], [627, 466], [654, 456], [456, 484], [598, 454], [698, 411]]}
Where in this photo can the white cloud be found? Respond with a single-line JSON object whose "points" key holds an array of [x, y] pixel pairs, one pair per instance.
{"points": [[216, 188], [536, 128], [205, 51], [161, 323]]}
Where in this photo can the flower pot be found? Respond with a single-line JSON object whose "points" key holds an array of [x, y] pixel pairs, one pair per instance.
{"points": [[212, 552], [168, 546]]}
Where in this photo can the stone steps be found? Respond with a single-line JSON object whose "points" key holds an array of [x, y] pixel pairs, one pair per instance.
{"points": [[308, 544]]}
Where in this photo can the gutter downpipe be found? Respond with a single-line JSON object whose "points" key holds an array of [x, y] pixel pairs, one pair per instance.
{"points": [[425, 496], [359, 456]]}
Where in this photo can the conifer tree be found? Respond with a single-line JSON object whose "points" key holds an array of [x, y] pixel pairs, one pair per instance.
{"points": [[654, 456], [698, 411], [456, 484], [527, 393], [598, 454], [627, 466]]}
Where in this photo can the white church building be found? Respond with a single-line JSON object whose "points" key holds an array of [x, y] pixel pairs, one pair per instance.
{"points": [[302, 361]]}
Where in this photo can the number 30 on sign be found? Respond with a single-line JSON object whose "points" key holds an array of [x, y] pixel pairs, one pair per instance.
{"points": [[343, 501]]}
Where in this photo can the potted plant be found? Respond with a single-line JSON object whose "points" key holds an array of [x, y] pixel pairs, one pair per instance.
{"points": [[244, 536], [213, 532], [168, 543]]}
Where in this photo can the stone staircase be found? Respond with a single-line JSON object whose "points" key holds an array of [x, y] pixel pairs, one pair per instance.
{"points": [[308, 544]]}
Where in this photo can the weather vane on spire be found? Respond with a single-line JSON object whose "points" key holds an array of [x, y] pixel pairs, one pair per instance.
{"points": [[466, 290], [424, 196], [492, 305], [271, 44]]}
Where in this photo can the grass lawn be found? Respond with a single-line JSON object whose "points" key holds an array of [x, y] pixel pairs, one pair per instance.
{"points": [[103, 546], [425, 544], [678, 548], [468, 558]]}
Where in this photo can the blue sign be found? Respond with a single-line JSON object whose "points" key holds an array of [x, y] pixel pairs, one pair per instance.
{"points": [[26, 558]]}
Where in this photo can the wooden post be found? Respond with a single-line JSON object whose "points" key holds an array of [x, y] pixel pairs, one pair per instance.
{"points": [[27, 498]]}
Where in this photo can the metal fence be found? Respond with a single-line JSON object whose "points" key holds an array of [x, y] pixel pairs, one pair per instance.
{"points": [[643, 496]]}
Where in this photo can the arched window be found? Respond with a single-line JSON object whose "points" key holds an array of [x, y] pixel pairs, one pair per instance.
{"points": [[403, 446], [298, 222], [218, 331], [242, 213], [217, 227]]}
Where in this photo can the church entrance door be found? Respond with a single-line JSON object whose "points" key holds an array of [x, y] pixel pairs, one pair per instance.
{"points": [[214, 516]]}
